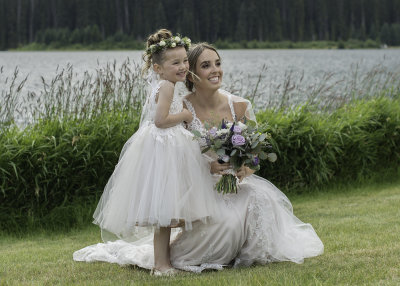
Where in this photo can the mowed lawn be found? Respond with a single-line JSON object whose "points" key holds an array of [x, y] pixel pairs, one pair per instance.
{"points": [[360, 228]]}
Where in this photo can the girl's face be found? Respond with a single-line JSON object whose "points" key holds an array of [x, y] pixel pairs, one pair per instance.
{"points": [[174, 66], [208, 69]]}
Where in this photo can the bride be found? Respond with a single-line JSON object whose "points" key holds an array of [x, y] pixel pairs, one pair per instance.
{"points": [[257, 224]]}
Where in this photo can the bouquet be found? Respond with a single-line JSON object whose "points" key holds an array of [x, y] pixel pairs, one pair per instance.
{"points": [[239, 143]]}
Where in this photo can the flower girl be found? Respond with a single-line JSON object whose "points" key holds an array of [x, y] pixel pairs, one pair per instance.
{"points": [[161, 180]]}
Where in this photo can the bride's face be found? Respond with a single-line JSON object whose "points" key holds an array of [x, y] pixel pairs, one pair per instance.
{"points": [[208, 69]]}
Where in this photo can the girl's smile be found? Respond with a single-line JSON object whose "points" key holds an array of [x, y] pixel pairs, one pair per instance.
{"points": [[175, 65]]}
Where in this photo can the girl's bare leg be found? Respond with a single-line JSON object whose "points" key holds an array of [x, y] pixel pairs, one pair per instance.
{"points": [[161, 248]]}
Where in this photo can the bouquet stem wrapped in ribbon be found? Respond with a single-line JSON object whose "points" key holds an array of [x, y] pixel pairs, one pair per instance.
{"points": [[239, 143]]}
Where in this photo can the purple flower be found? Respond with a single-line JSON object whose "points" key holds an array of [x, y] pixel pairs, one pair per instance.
{"points": [[223, 125], [237, 129], [213, 132], [238, 140], [256, 161]]}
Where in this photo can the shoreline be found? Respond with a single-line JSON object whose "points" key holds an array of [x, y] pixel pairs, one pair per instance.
{"points": [[225, 45]]}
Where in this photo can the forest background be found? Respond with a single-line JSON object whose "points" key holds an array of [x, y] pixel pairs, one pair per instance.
{"points": [[123, 24]]}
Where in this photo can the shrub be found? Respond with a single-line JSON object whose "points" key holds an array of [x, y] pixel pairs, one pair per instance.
{"points": [[54, 165], [351, 143]]}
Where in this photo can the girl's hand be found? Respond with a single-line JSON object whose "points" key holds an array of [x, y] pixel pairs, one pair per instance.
{"points": [[217, 168], [187, 116], [244, 172]]}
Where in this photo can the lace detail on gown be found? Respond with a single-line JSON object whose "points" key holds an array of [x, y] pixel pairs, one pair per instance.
{"points": [[151, 105], [196, 123]]}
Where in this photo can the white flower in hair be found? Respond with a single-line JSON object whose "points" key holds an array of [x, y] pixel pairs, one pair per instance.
{"points": [[162, 43], [173, 45], [177, 39]]}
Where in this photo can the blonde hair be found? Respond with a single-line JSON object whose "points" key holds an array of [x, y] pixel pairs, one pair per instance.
{"points": [[193, 55], [156, 57]]}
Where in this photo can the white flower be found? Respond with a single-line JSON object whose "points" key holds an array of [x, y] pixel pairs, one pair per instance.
{"points": [[173, 45], [177, 39], [229, 124], [222, 132], [242, 125], [162, 44], [152, 47], [188, 40], [225, 158]]}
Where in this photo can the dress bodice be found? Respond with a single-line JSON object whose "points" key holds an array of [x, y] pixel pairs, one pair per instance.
{"points": [[196, 123], [149, 110]]}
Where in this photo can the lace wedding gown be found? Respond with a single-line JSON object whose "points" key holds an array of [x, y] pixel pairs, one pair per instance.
{"points": [[257, 225]]}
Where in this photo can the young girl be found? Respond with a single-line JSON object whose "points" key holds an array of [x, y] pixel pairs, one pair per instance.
{"points": [[160, 180]]}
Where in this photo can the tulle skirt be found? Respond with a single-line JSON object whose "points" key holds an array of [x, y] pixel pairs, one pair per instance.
{"points": [[160, 180]]}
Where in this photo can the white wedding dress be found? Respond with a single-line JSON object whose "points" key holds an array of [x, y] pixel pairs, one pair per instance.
{"points": [[257, 225]]}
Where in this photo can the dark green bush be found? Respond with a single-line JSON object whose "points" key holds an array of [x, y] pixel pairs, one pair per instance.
{"points": [[52, 173], [351, 143]]}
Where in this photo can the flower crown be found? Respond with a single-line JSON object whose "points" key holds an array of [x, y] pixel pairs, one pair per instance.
{"points": [[169, 43]]}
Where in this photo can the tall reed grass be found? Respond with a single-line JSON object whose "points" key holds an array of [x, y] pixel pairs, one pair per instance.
{"points": [[122, 88], [332, 91], [55, 162], [69, 95]]}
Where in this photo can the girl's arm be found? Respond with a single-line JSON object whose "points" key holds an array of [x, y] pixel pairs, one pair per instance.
{"points": [[162, 118]]}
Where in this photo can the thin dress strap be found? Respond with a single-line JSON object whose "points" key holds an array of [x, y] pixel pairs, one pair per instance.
{"points": [[190, 107], [232, 108], [156, 89]]}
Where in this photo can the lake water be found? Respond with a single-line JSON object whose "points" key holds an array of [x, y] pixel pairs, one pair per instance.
{"points": [[304, 71]]}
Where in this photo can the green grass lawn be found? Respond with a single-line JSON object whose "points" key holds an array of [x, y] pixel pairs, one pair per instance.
{"points": [[360, 228]]}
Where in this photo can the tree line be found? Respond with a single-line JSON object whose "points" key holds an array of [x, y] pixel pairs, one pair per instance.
{"points": [[90, 21]]}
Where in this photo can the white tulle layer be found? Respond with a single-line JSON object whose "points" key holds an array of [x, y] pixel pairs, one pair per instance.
{"points": [[161, 179], [257, 225]]}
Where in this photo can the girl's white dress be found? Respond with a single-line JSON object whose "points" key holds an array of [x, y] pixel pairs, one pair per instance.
{"points": [[161, 179], [257, 225]]}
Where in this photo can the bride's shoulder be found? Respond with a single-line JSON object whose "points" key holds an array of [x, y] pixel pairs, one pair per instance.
{"points": [[240, 109], [240, 104]]}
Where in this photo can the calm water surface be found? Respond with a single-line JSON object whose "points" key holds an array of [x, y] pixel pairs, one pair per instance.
{"points": [[242, 67]]}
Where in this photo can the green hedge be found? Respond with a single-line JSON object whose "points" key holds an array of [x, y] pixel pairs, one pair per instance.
{"points": [[351, 143], [53, 173]]}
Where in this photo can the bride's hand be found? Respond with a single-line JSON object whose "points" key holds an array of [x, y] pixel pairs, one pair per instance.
{"points": [[217, 168], [244, 172]]}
